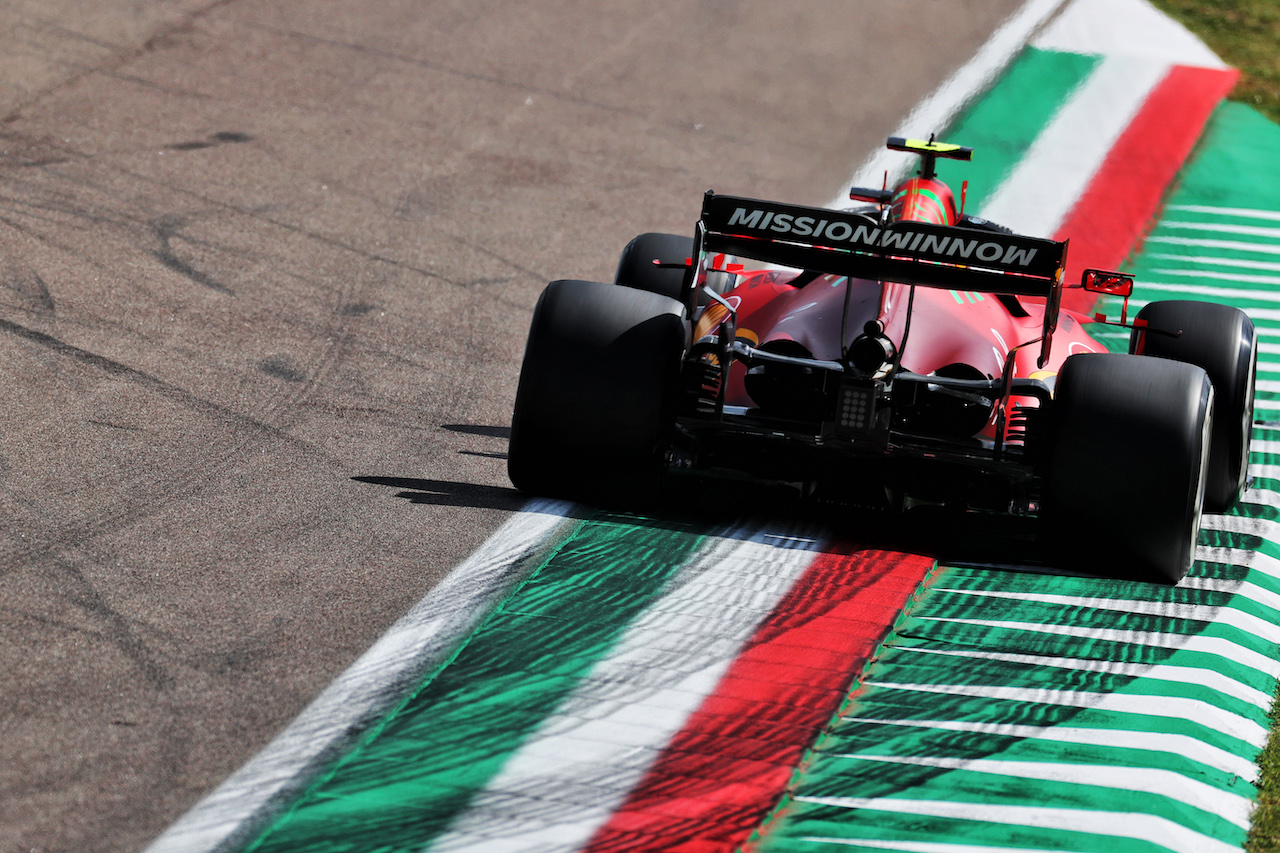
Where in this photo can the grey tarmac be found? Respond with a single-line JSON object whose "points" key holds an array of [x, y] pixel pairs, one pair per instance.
{"points": [[266, 270]]}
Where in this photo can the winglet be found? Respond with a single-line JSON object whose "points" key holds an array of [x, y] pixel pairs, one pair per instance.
{"points": [[929, 151]]}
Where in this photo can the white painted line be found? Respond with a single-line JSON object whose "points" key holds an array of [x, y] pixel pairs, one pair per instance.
{"points": [[922, 846], [1057, 169], [1238, 245], [1221, 276], [1225, 649], [1262, 445], [1142, 780], [1243, 230], [1265, 527], [1192, 675], [237, 808], [935, 113], [524, 805], [1152, 829], [1264, 564], [1183, 746], [1262, 497], [1268, 314], [1173, 707], [1246, 622], [1216, 261], [1243, 212], [1211, 290], [1239, 589]]}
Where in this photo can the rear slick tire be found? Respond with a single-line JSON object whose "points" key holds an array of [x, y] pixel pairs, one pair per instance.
{"points": [[597, 393], [1129, 464], [1220, 339], [636, 267]]}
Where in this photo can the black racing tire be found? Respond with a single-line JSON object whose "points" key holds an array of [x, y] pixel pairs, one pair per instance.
{"points": [[597, 393], [1128, 464], [636, 268], [1220, 339]]}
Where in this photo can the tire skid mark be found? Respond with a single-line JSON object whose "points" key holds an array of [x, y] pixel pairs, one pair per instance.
{"points": [[166, 229], [152, 383], [114, 63], [523, 87]]}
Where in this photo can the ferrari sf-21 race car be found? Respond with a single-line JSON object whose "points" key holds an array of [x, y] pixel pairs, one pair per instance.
{"points": [[889, 356]]}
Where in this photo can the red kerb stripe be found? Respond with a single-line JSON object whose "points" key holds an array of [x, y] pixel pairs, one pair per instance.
{"points": [[1126, 193], [728, 766]]}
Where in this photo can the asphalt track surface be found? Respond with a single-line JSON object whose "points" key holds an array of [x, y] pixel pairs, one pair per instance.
{"points": [[265, 274]]}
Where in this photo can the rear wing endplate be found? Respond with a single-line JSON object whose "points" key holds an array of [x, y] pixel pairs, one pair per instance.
{"points": [[860, 246]]}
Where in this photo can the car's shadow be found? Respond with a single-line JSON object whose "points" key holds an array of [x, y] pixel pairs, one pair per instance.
{"points": [[952, 537], [448, 493]]}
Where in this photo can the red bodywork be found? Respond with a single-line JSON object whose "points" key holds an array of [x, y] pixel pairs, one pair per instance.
{"points": [[948, 328]]}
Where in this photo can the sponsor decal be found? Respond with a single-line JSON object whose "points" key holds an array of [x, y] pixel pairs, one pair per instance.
{"points": [[862, 233]]}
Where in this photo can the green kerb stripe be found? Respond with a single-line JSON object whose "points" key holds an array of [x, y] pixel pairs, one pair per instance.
{"points": [[885, 778], [1002, 125], [813, 821], [865, 737], [424, 764]]}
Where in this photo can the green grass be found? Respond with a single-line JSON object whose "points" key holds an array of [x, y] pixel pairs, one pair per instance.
{"points": [[1246, 34], [1264, 834]]}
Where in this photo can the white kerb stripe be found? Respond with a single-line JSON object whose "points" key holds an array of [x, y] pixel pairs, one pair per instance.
{"points": [[1244, 230], [1192, 675], [1143, 827], [1261, 445], [1214, 290], [1173, 707], [934, 113], [922, 846], [1141, 780], [1241, 589], [1258, 295], [1223, 648], [1221, 276], [1236, 245], [577, 768], [1243, 212], [1264, 527], [1213, 260], [1051, 178], [1184, 746], [1265, 628]]}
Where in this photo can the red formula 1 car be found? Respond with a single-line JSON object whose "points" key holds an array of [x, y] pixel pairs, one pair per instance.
{"points": [[894, 355]]}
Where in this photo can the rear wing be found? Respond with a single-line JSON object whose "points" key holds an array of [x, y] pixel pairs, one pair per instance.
{"points": [[860, 246]]}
